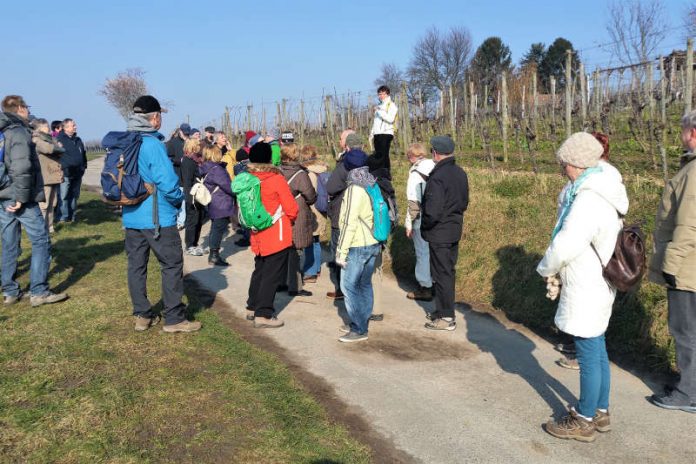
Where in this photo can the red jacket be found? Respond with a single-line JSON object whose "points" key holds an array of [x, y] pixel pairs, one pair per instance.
{"points": [[274, 192]]}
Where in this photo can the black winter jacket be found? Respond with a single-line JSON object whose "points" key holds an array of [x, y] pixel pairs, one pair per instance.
{"points": [[335, 187], [189, 173], [445, 199], [74, 160], [175, 152], [21, 162]]}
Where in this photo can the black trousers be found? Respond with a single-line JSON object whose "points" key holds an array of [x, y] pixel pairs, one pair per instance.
{"points": [[335, 271], [443, 259], [381, 157], [217, 231], [195, 217], [269, 272], [167, 249], [682, 326]]}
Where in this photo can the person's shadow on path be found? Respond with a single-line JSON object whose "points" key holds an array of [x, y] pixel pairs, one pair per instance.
{"points": [[78, 255], [513, 353]]}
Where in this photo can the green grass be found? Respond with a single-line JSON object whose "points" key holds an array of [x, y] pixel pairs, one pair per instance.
{"points": [[77, 384]]}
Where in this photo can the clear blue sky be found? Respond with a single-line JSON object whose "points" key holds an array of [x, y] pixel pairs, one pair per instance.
{"points": [[205, 55]]}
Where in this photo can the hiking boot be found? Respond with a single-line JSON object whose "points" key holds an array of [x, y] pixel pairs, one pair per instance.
{"points": [[565, 348], [602, 421], [300, 293], [310, 280], [422, 294], [194, 251], [12, 299], [344, 329], [215, 259], [569, 362], [250, 314], [441, 324], [47, 298], [675, 401], [144, 323], [183, 326], [351, 337], [334, 295], [267, 323], [377, 317], [572, 427]]}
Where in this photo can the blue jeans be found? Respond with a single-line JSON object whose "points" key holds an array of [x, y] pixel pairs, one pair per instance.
{"points": [[30, 218], [181, 216], [312, 258], [595, 378], [69, 194], [356, 285]]}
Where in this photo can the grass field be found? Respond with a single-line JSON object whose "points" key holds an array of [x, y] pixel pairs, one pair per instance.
{"points": [[78, 385]]}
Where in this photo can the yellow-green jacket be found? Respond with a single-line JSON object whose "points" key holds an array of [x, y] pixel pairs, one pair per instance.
{"points": [[675, 229], [355, 221]]}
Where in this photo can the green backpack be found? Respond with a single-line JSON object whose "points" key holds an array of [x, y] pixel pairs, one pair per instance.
{"points": [[252, 213]]}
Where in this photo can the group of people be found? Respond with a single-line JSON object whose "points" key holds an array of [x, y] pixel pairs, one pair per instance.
{"points": [[358, 201]]}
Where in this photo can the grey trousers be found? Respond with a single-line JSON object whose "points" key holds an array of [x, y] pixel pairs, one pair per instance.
{"points": [[295, 259], [682, 326]]}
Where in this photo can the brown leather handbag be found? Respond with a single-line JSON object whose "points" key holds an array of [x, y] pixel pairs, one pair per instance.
{"points": [[627, 264]]}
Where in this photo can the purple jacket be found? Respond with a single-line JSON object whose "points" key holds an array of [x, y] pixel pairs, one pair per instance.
{"points": [[221, 204]]}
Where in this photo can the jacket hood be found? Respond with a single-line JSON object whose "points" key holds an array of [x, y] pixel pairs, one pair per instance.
{"points": [[290, 167], [361, 177], [9, 119], [424, 166], [608, 184]]}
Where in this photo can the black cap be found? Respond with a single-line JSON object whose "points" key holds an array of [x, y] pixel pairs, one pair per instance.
{"points": [[210, 129], [442, 144], [147, 104]]}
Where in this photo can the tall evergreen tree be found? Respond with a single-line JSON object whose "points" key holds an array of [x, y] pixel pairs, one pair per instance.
{"points": [[534, 56], [553, 64], [490, 60]]}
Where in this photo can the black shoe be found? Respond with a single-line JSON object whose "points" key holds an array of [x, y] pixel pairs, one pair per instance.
{"points": [[282, 288], [674, 401], [377, 317], [300, 293], [215, 259]]}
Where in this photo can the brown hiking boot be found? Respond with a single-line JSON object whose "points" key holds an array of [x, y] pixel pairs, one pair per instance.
{"points": [[569, 362], [183, 326], [267, 323], [250, 314], [310, 279], [334, 295], [144, 323], [601, 421], [573, 427], [422, 294]]}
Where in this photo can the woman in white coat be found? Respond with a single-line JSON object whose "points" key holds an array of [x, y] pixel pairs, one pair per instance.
{"points": [[582, 243]]}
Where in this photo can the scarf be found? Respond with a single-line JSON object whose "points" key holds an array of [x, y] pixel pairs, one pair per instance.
{"points": [[569, 198]]}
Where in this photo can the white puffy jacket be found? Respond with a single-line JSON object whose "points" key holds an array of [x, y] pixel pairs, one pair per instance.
{"points": [[586, 299], [385, 117], [415, 186]]}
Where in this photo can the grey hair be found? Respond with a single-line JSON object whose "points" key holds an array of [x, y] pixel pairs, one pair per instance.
{"points": [[38, 122], [688, 121], [217, 135]]}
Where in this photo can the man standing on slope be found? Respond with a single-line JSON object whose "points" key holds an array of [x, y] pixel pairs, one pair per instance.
{"points": [[141, 232], [445, 199], [382, 132]]}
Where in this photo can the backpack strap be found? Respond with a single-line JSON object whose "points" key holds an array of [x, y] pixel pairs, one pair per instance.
{"points": [[293, 178], [155, 212]]}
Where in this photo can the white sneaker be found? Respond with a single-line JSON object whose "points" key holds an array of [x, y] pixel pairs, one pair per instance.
{"points": [[194, 251], [203, 251]]}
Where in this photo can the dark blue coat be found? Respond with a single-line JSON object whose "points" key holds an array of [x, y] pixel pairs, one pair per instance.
{"points": [[216, 176], [74, 160]]}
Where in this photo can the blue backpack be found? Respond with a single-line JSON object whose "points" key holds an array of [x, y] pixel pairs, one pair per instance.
{"points": [[381, 222], [322, 203], [120, 180]]}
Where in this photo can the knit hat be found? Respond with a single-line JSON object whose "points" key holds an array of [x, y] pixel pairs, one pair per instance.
{"points": [[354, 141], [147, 104], [248, 135], [255, 139], [260, 153], [442, 144], [354, 159], [194, 131], [581, 150]]}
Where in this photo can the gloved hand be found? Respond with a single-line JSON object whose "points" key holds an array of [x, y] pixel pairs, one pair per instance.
{"points": [[553, 287], [670, 280]]}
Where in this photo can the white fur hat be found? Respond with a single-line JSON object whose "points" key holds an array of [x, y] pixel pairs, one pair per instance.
{"points": [[581, 150]]}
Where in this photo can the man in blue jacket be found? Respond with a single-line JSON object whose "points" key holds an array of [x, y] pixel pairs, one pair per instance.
{"points": [[143, 234], [74, 164]]}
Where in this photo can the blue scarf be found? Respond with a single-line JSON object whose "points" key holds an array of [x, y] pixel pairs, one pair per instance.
{"points": [[569, 198]]}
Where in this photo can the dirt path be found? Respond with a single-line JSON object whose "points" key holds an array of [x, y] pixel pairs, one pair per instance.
{"points": [[478, 394]]}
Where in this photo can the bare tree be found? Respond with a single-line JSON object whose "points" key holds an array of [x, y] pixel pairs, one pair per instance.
{"points": [[440, 60], [636, 28], [122, 91], [689, 21], [391, 76]]}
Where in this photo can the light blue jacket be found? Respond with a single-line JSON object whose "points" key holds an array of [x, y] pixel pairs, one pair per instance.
{"points": [[155, 168]]}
